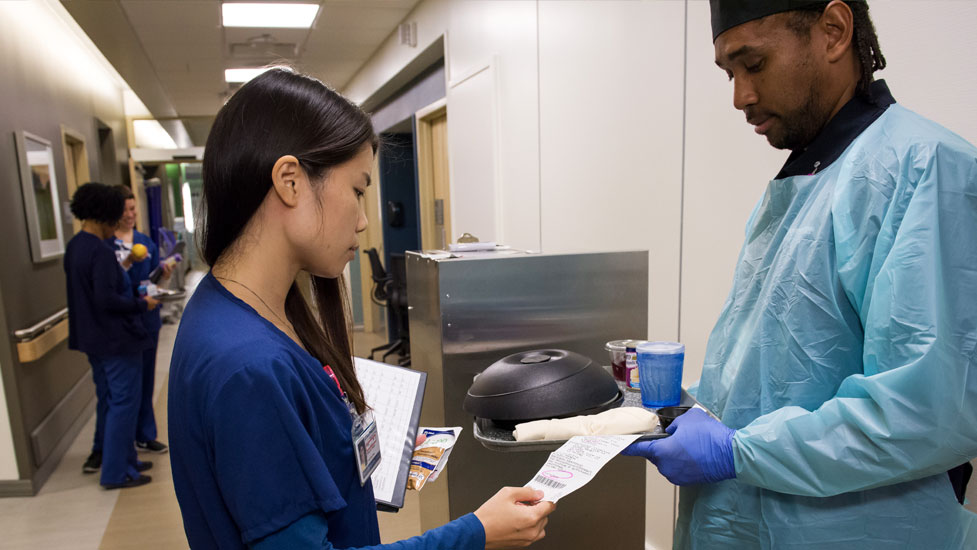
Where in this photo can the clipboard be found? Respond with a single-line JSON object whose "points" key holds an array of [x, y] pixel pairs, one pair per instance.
{"points": [[395, 394]]}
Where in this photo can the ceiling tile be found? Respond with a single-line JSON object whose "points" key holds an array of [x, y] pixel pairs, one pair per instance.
{"points": [[185, 47]]}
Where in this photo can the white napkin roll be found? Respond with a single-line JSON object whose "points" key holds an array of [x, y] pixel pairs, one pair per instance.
{"points": [[620, 421]]}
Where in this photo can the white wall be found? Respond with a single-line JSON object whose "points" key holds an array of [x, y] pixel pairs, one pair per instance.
{"points": [[493, 136], [611, 137], [727, 167], [931, 50], [493, 121], [8, 460]]}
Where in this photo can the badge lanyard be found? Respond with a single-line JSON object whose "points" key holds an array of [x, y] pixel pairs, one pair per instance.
{"points": [[366, 440]]}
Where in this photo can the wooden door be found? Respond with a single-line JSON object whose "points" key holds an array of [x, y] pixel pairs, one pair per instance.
{"points": [[433, 180], [75, 165]]}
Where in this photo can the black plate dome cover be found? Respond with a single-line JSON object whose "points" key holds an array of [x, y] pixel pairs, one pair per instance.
{"points": [[538, 384]]}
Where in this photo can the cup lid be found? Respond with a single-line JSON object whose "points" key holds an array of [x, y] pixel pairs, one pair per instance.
{"points": [[665, 348], [620, 345]]}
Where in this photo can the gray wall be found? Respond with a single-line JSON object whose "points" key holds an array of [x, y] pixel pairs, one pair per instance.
{"points": [[39, 92]]}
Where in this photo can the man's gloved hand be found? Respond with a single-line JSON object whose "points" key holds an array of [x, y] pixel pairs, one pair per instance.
{"points": [[700, 450]]}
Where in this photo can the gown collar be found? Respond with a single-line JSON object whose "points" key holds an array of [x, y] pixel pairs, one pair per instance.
{"points": [[839, 132]]}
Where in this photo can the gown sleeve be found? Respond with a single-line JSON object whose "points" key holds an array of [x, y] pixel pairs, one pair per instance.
{"points": [[312, 532], [905, 231], [267, 468]]}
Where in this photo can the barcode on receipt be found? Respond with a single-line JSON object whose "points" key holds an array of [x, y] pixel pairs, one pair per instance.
{"points": [[549, 482]]}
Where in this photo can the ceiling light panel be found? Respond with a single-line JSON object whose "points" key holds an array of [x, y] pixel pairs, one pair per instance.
{"points": [[242, 75], [289, 16]]}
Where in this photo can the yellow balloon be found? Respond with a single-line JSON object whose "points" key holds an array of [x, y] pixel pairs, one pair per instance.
{"points": [[139, 251]]}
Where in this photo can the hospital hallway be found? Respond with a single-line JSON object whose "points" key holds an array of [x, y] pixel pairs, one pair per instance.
{"points": [[72, 512]]}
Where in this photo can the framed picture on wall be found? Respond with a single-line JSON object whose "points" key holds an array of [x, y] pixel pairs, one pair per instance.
{"points": [[40, 194]]}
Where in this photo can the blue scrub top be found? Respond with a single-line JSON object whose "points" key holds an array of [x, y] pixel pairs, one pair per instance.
{"points": [[140, 271], [259, 434]]}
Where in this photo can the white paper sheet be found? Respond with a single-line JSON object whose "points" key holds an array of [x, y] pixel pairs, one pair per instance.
{"points": [[391, 393], [577, 462]]}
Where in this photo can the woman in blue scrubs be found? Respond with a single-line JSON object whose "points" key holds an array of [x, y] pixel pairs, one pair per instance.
{"points": [[263, 393], [125, 237], [104, 322]]}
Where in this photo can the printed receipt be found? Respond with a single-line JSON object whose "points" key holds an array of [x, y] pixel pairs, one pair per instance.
{"points": [[577, 462]]}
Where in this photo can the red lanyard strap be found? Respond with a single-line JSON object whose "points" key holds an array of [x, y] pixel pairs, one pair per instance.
{"points": [[332, 375]]}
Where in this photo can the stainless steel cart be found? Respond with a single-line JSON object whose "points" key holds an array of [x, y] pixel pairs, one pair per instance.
{"points": [[467, 312]]}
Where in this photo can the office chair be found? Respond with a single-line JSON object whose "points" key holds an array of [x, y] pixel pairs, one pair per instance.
{"points": [[390, 290]]}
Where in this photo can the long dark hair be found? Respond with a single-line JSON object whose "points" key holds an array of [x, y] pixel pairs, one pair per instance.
{"points": [[282, 113]]}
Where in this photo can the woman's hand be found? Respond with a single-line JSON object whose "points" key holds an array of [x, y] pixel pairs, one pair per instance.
{"points": [[151, 303], [167, 272], [514, 517]]}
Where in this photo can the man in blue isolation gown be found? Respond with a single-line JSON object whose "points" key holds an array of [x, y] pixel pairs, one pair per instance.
{"points": [[844, 363]]}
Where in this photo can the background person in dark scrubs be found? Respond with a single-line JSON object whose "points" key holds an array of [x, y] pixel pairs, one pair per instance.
{"points": [[262, 386], [104, 320]]}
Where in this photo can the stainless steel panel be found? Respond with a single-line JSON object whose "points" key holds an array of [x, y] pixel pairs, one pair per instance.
{"points": [[467, 313]]}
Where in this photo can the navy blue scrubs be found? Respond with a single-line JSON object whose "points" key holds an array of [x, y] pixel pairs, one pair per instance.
{"points": [[104, 323], [139, 272], [260, 436]]}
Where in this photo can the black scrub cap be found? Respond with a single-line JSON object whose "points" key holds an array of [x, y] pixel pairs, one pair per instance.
{"points": [[727, 14]]}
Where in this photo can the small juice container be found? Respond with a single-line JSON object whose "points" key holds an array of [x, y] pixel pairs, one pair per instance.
{"points": [[631, 367]]}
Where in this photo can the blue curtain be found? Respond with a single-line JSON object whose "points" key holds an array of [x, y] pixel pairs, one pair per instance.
{"points": [[154, 204]]}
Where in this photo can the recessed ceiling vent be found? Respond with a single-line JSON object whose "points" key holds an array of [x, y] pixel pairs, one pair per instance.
{"points": [[264, 47]]}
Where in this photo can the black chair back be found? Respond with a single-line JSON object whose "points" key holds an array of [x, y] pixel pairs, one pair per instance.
{"points": [[378, 274]]}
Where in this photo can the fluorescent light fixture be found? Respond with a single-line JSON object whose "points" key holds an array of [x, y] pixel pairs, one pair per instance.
{"points": [[187, 207], [151, 134], [242, 75], [287, 16]]}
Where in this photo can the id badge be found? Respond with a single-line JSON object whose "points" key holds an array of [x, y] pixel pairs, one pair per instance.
{"points": [[366, 445]]}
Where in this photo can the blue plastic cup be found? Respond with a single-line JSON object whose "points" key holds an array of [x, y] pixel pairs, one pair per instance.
{"points": [[660, 373]]}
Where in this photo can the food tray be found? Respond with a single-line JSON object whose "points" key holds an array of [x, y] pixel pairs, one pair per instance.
{"points": [[501, 440], [166, 295]]}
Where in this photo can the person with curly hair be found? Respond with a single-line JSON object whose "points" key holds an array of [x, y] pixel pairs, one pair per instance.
{"points": [[104, 320]]}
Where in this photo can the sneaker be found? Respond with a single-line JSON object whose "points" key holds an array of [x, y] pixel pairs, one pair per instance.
{"points": [[92, 463], [143, 465], [152, 447], [130, 482]]}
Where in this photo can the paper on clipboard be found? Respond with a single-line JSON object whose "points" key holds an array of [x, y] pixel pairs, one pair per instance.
{"points": [[395, 394]]}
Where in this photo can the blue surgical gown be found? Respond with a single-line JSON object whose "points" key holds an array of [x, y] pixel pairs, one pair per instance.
{"points": [[845, 354]]}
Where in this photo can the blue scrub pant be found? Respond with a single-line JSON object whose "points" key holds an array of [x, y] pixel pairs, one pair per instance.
{"points": [[118, 387], [146, 423]]}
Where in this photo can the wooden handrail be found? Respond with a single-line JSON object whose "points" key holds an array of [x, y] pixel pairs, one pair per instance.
{"points": [[37, 340]]}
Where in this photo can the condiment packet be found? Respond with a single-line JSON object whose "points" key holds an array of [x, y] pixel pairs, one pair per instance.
{"points": [[431, 456]]}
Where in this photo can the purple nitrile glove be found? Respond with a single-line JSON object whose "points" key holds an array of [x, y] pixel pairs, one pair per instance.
{"points": [[700, 450]]}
